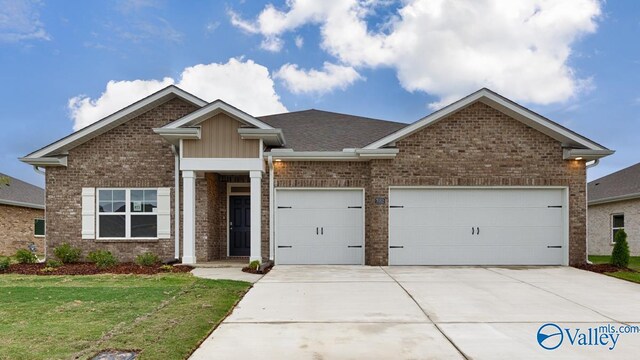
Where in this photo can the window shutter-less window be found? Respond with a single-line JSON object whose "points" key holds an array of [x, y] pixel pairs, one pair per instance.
{"points": [[164, 213], [88, 213]]}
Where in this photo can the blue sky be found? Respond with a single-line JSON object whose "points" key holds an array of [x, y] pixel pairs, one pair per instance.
{"points": [[574, 61]]}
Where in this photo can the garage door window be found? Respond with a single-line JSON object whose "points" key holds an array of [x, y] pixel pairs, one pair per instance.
{"points": [[617, 222]]}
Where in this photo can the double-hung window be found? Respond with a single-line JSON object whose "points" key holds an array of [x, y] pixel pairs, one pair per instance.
{"points": [[617, 223], [127, 213]]}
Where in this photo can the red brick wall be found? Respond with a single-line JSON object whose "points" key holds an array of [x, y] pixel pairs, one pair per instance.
{"points": [[17, 229], [130, 155]]}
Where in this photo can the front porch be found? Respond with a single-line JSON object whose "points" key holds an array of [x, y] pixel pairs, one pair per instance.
{"points": [[221, 217]]}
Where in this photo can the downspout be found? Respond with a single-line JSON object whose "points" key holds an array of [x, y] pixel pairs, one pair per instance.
{"points": [[271, 214], [586, 208], [41, 172], [176, 205]]}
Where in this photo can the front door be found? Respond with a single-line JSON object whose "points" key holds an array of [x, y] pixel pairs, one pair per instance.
{"points": [[239, 225]]}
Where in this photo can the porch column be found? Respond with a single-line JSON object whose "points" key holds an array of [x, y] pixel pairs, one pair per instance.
{"points": [[189, 217], [256, 215]]}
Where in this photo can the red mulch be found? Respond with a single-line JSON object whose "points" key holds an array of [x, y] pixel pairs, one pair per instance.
{"points": [[602, 268], [92, 269]]}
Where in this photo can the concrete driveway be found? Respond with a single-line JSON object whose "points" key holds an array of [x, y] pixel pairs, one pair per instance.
{"points": [[362, 312]]}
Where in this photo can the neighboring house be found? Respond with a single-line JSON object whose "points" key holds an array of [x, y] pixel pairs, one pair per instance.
{"points": [[614, 203], [481, 181], [21, 215]]}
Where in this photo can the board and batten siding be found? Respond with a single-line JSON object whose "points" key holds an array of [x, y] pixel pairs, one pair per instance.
{"points": [[220, 139]]}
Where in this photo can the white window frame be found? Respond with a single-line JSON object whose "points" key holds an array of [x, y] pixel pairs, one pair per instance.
{"points": [[127, 214], [613, 240], [34, 228]]}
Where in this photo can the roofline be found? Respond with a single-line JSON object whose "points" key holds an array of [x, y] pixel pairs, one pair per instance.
{"points": [[344, 155], [614, 199], [335, 113], [503, 104], [585, 154], [216, 106], [21, 204], [45, 161], [137, 106]]}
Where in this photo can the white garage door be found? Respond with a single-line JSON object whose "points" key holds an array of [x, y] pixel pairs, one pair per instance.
{"points": [[319, 226], [471, 226]]}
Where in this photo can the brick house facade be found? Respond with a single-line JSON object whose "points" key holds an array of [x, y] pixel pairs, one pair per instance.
{"points": [[21, 216], [481, 142]]}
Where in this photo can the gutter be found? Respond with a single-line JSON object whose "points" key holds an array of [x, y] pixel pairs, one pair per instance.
{"points": [[586, 209], [176, 206], [614, 199]]}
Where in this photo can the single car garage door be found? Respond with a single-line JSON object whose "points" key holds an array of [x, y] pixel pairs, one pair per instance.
{"points": [[316, 226], [475, 226]]}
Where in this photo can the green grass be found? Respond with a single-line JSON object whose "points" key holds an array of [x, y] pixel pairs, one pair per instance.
{"points": [[634, 261], [61, 317], [634, 264]]}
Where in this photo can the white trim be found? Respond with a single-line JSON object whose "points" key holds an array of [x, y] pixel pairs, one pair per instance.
{"points": [[176, 205], [229, 186], [344, 155], [45, 161], [585, 154], [273, 137], [221, 164], [214, 108], [115, 119], [364, 212], [501, 104], [189, 217], [565, 207], [614, 199], [21, 204], [174, 136]]}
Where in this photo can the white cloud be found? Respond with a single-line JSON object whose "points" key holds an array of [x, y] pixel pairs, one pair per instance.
{"points": [[272, 43], [244, 84], [299, 41], [20, 21], [449, 49], [331, 77]]}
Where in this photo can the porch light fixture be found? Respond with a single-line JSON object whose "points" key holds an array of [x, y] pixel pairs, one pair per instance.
{"points": [[579, 158]]}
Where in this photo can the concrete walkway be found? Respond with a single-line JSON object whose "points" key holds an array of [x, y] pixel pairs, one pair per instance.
{"points": [[224, 270], [356, 312]]}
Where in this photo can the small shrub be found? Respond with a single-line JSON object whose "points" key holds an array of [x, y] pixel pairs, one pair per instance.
{"points": [[620, 254], [67, 253], [47, 269], [102, 258], [4, 263], [254, 265], [147, 259], [167, 268], [24, 256], [53, 263]]}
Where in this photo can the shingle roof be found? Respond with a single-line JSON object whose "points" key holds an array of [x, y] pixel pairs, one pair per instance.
{"points": [[20, 193], [620, 184], [316, 130]]}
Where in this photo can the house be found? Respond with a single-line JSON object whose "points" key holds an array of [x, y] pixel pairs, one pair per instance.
{"points": [[614, 204], [21, 215], [481, 181]]}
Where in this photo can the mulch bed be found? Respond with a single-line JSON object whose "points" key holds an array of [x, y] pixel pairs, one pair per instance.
{"points": [[92, 269], [602, 268], [254, 271]]}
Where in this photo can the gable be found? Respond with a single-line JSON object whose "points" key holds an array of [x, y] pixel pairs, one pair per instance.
{"points": [[219, 138]]}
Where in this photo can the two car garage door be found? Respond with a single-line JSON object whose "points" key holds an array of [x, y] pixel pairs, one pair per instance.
{"points": [[427, 226]]}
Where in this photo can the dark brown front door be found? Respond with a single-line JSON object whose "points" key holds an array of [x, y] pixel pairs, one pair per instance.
{"points": [[239, 225]]}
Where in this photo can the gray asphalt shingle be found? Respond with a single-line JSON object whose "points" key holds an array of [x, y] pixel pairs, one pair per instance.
{"points": [[20, 191], [620, 183]]}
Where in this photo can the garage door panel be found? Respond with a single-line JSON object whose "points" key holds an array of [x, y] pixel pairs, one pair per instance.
{"points": [[439, 198], [319, 226], [440, 226], [317, 217], [491, 216], [476, 255]]}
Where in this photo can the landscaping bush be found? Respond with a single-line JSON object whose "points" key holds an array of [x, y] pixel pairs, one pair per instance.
{"points": [[67, 253], [4, 263], [254, 265], [24, 256], [147, 259], [620, 254], [102, 258], [53, 263], [167, 268]]}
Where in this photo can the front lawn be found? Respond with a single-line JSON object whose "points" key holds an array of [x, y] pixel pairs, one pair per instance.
{"points": [[634, 264], [62, 317]]}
